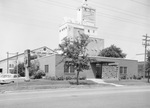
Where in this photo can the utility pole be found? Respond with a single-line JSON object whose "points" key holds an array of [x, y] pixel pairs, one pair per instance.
{"points": [[17, 67], [145, 43], [7, 62], [16, 60], [8, 59]]}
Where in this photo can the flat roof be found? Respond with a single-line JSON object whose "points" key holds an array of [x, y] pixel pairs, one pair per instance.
{"points": [[106, 59], [110, 58], [77, 24]]}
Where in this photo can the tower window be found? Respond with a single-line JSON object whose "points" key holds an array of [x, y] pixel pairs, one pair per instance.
{"points": [[95, 40], [93, 31], [1, 70], [44, 49], [89, 31]]}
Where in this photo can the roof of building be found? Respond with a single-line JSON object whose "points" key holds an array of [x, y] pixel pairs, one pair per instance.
{"points": [[31, 51], [109, 59], [77, 24]]}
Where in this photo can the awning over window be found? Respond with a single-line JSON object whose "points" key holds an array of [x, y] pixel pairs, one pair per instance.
{"points": [[95, 60]]}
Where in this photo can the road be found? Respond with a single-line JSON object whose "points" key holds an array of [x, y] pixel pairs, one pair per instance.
{"points": [[111, 97]]}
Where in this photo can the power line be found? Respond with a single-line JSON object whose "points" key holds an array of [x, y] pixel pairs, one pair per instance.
{"points": [[124, 13], [115, 9], [141, 3], [107, 15], [96, 3], [60, 4], [122, 19]]}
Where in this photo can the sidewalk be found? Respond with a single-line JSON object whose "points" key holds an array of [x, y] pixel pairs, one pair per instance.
{"points": [[100, 81]]}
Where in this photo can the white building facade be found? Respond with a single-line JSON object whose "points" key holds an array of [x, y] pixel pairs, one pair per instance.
{"points": [[84, 23]]}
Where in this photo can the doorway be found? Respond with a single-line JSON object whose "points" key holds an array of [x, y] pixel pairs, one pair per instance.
{"points": [[99, 71]]}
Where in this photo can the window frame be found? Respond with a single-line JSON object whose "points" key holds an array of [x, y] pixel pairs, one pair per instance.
{"points": [[46, 68], [70, 68]]}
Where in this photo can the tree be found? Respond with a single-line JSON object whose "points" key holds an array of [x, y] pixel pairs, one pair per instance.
{"points": [[112, 51], [21, 69], [75, 50], [34, 67], [32, 70], [148, 65]]}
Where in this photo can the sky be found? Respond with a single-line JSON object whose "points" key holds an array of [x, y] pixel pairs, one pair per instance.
{"points": [[30, 24]]}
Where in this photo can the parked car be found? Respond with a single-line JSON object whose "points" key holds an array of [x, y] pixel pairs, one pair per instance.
{"points": [[9, 78]]}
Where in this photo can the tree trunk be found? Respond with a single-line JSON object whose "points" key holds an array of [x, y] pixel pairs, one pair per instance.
{"points": [[77, 77]]}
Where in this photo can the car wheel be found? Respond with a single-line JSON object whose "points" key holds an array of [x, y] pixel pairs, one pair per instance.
{"points": [[12, 81]]}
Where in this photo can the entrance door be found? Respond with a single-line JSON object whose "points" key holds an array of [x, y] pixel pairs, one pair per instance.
{"points": [[99, 71]]}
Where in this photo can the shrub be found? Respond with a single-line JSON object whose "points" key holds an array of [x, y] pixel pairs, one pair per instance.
{"points": [[69, 78], [53, 78], [39, 74], [60, 78], [74, 78], [134, 77], [82, 78]]}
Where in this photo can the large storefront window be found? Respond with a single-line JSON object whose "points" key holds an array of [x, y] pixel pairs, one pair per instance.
{"points": [[68, 67]]}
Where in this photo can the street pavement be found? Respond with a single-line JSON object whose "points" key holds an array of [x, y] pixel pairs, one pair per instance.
{"points": [[110, 97]]}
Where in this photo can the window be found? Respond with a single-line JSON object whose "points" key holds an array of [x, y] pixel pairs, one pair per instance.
{"points": [[93, 31], [89, 31], [121, 70], [44, 49], [68, 67], [71, 69], [46, 68], [11, 65], [1, 70], [125, 70], [95, 41]]}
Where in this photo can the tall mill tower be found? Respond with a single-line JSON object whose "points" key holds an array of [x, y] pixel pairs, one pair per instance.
{"points": [[84, 23], [86, 15]]}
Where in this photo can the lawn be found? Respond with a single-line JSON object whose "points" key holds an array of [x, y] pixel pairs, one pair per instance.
{"points": [[142, 82], [53, 84], [48, 84]]}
